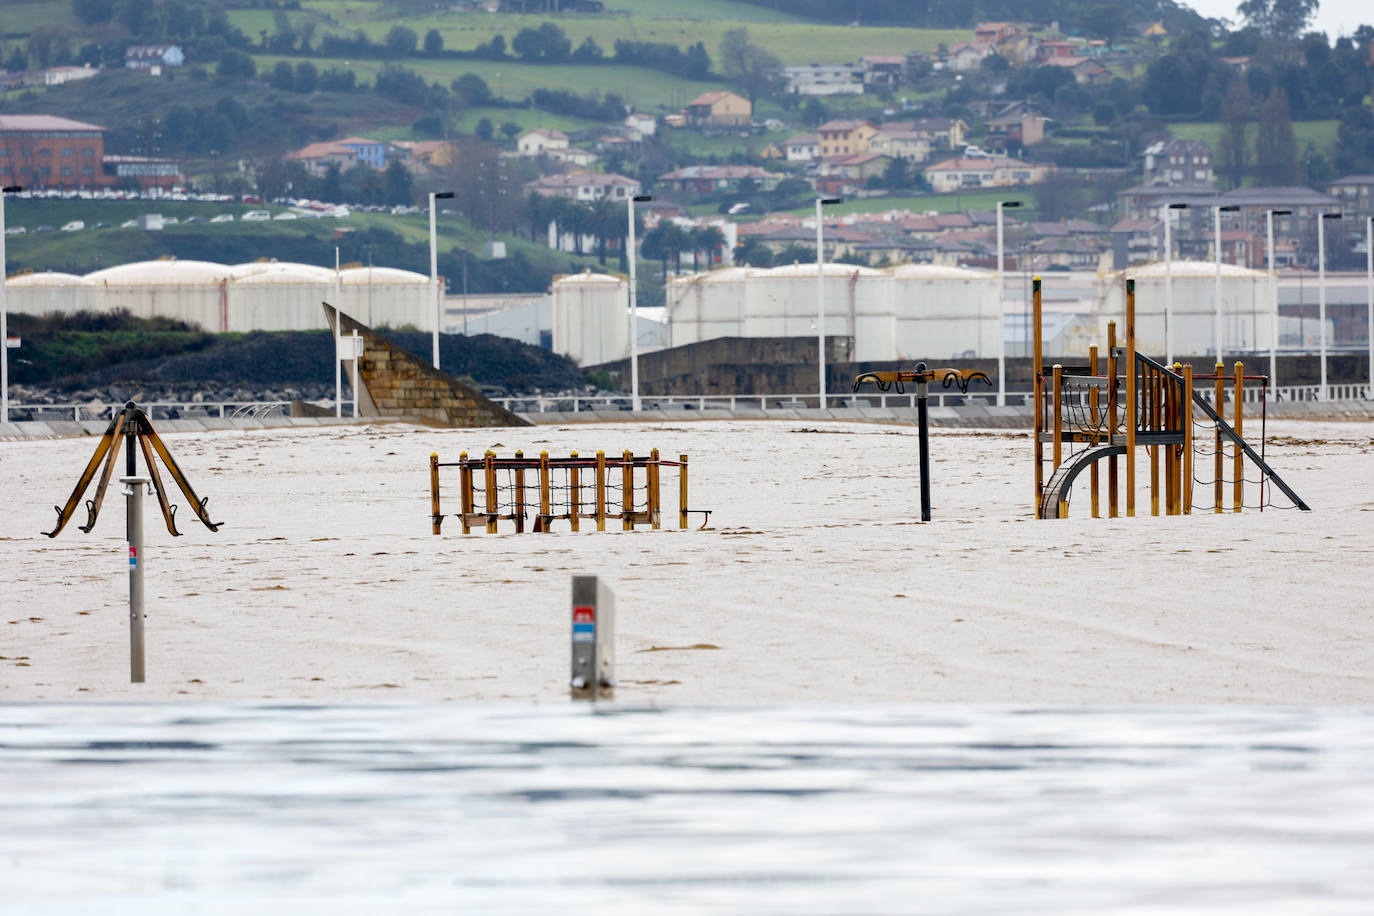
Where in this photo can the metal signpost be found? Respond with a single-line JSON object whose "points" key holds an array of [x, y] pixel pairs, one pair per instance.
{"points": [[630, 256], [593, 639], [133, 492]]}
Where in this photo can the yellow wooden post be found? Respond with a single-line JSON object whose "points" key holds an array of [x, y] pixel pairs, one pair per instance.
{"points": [[1038, 391], [489, 466], [1186, 471], [1058, 390], [1173, 419], [544, 512], [434, 515], [682, 491], [1238, 488], [1096, 415], [465, 490], [1113, 404], [627, 491], [1220, 388], [574, 494], [600, 490], [653, 488], [1131, 406]]}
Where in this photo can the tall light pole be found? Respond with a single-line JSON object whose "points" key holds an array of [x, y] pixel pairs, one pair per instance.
{"points": [[1001, 310], [1273, 296], [1216, 250], [1369, 291], [4, 316], [630, 254], [434, 269], [1169, 282], [820, 289], [1321, 291]]}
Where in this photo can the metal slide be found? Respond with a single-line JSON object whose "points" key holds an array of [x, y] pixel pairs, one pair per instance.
{"points": [[1057, 490]]}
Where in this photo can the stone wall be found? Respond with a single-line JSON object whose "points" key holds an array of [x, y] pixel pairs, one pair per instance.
{"points": [[397, 383]]}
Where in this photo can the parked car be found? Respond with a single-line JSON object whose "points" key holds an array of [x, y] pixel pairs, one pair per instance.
{"points": [[15, 230], [101, 226], [195, 219], [222, 218], [75, 225], [44, 229], [286, 214], [253, 216]]}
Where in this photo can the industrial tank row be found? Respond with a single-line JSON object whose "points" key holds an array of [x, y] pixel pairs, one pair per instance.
{"points": [[915, 311], [262, 295]]}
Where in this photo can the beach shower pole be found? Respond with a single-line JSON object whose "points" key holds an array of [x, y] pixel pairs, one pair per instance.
{"points": [[434, 269], [634, 314], [1369, 291], [923, 426], [338, 337], [820, 292], [1001, 310], [133, 493]]}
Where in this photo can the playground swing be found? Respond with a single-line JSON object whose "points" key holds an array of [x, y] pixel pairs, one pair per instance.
{"points": [[1086, 418]]}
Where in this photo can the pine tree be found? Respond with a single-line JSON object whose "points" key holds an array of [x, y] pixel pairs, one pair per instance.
{"points": [[1276, 146], [1233, 152]]}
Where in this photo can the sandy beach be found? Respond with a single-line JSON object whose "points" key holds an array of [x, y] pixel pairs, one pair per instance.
{"points": [[814, 582]]}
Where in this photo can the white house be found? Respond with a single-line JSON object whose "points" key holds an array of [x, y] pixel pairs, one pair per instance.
{"points": [[642, 124], [152, 58], [802, 148], [56, 76], [585, 186], [540, 140], [824, 79], [984, 172]]}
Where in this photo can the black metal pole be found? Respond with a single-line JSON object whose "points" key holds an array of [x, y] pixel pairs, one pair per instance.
{"points": [[923, 424]]}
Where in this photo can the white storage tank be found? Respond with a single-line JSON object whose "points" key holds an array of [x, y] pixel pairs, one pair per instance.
{"points": [[191, 291], [945, 313], [386, 297], [273, 296], [782, 302], [590, 318], [705, 306], [51, 291], [1245, 308]]}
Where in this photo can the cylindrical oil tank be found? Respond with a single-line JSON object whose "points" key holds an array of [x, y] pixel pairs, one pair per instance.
{"points": [[191, 291], [1245, 308], [705, 306], [590, 318], [945, 312], [51, 291], [273, 296], [386, 297], [782, 302]]}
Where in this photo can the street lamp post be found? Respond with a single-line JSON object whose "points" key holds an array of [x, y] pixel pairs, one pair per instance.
{"points": [[434, 269], [1273, 296], [4, 316], [1321, 291], [820, 290], [1001, 310], [630, 254], [1169, 282], [1216, 251], [1369, 292]]}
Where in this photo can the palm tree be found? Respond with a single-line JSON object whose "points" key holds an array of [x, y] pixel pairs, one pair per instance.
{"points": [[710, 240], [603, 218]]}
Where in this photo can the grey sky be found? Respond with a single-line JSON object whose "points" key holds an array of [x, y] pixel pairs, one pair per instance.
{"points": [[1334, 17]]}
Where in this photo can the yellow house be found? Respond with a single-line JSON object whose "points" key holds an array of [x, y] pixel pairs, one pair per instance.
{"points": [[844, 138], [718, 109]]}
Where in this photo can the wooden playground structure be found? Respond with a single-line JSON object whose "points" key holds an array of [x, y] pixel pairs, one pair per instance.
{"points": [[1085, 417], [592, 490]]}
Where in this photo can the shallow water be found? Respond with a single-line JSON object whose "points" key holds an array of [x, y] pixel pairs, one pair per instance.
{"points": [[212, 808]]}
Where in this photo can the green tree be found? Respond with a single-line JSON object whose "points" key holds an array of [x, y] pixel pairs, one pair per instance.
{"points": [[472, 90], [1105, 21], [235, 64], [283, 76], [307, 77], [398, 183], [434, 42], [484, 129], [589, 51], [400, 41], [1276, 146], [1233, 154], [1280, 19], [754, 70]]}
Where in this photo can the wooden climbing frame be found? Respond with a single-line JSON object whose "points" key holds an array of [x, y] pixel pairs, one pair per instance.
{"points": [[633, 496]]}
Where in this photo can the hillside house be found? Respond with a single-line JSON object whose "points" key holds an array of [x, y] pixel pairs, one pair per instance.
{"points": [[718, 109], [802, 148], [1356, 193], [1178, 162], [882, 72], [153, 59], [967, 55], [705, 178], [990, 172], [585, 186], [346, 153], [844, 138], [57, 76], [943, 133], [824, 79], [541, 140], [900, 141]]}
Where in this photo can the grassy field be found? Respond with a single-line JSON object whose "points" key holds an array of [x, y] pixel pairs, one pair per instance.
{"points": [[682, 24], [648, 90], [1321, 134]]}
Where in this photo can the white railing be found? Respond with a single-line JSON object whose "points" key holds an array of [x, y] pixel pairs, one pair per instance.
{"points": [[621, 402]]}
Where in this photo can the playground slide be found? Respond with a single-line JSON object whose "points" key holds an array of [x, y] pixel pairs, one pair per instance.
{"points": [[1056, 492]]}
